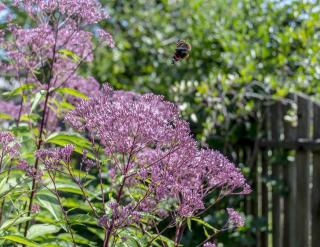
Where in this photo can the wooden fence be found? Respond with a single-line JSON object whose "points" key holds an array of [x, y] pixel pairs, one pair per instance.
{"points": [[285, 169]]}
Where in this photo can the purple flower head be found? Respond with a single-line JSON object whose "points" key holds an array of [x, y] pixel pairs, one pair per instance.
{"points": [[209, 244], [106, 37], [148, 133], [84, 11], [113, 205], [35, 208], [2, 6], [235, 219], [22, 165], [8, 145], [103, 221], [12, 109], [54, 158], [30, 171], [88, 164]]}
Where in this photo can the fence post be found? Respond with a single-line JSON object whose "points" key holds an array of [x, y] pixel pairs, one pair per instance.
{"points": [[302, 182], [276, 122], [315, 204], [289, 177]]}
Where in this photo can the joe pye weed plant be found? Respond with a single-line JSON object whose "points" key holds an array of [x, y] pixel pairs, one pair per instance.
{"points": [[84, 166]]}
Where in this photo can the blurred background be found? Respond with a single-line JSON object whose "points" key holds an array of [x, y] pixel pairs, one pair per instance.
{"points": [[250, 89]]}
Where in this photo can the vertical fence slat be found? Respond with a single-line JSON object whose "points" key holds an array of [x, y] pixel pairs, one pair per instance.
{"points": [[315, 203], [302, 163], [289, 176], [264, 174], [276, 119]]}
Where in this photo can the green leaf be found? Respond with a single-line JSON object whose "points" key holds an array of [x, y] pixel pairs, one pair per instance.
{"points": [[98, 232], [50, 203], [189, 224], [206, 232], [5, 116], [36, 100], [41, 230], [202, 222], [82, 219], [77, 238], [18, 90], [74, 203], [73, 92], [78, 141], [16, 221], [164, 239], [20, 240], [69, 54]]}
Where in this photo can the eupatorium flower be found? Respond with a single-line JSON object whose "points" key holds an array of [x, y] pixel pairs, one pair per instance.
{"points": [[8, 145], [156, 145], [235, 219], [55, 158], [10, 108], [85, 11], [30, 171], [106, 37], [209, 244]]}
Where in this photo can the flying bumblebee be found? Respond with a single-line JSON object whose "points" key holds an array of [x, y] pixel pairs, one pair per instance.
{"points": [[181, 52]]}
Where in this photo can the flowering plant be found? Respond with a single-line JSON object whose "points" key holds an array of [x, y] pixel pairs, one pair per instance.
{"points": [[122, 165]]}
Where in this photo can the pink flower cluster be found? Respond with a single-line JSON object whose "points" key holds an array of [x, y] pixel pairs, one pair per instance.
{"points": [[235, 219], [9, 108], [156, 145], [121, 216], [209, 244], [55, 158], [54, 39], [8, 145], [49, 51], [30, 171], [86, 11]]}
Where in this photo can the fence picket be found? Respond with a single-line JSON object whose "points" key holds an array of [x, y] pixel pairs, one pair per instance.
{"points": [[302, 181], [289, 177], [276, 117], [264, 236], [315, 203]]}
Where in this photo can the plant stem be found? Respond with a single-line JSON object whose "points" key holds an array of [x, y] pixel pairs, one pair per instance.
{"points": [[62, 209], [33, 188], [42, 125]]}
